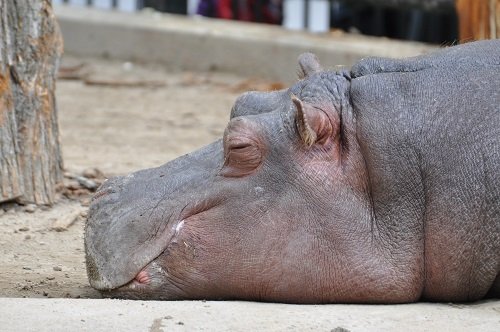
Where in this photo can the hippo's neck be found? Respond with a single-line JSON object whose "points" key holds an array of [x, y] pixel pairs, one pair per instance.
{"points": [[433, 167]]}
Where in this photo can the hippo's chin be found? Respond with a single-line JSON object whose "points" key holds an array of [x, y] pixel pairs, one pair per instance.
{"points": [[145, 285]]}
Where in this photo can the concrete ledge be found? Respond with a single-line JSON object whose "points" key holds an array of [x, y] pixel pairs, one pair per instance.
{"points": [[116, 315], [204, 44]]}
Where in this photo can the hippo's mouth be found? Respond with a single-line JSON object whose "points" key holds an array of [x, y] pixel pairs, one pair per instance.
{"points": [[108, 271], [144, 285], [142, 279], [140, 273], [148, 277]]}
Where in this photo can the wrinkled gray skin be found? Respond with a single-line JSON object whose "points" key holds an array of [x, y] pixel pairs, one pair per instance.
{"points": [[378, 185]]}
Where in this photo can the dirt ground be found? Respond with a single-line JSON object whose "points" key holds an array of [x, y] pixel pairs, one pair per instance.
{"points": [[116, 117]]}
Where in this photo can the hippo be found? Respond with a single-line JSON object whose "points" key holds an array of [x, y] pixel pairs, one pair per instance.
{"points": [[379, 183]]}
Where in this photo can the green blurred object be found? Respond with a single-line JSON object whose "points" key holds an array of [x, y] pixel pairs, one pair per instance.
{"points": [[168, 6]]}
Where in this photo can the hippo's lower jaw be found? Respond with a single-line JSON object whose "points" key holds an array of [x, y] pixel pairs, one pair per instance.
{"points": [[151, 280], [146, 233], [145, 285], [140, 272]]}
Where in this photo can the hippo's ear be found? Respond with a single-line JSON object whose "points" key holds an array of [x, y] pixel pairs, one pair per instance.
{"points": [[309, 64], [313, 125]]}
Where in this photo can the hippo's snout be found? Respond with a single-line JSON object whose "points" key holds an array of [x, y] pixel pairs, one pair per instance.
{"points": [[124, 215], [101, 204], [108, 187], [132, 219]]}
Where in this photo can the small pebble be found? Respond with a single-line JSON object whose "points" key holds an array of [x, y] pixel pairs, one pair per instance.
{"points": [[26, 268], [27, 237], [85, 202], [128, 66], [51, 278], [57, 268], [92, 173], [24, 229], [80, 192], [45, 293], [339, 329], [87, 183], [73, 185], [30, 208]]}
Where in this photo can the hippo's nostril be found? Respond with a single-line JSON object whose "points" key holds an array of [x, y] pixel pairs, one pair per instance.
{"points": [[101, 193]]}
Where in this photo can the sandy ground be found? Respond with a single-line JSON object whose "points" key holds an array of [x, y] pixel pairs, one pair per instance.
{"points": [[122, 129]]}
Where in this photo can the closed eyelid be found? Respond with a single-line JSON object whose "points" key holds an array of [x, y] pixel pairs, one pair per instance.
{"points": [[241, 145], [241, 131], [244, 148]]}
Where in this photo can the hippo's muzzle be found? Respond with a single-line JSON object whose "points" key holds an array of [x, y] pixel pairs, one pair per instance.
{"points": [[116, 226], [132, 219]]}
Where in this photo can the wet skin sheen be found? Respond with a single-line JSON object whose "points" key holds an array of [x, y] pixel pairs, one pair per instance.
{"points": [[380, 184]]}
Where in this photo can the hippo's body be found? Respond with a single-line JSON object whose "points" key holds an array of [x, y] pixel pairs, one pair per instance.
{"points": [[377, 185]]}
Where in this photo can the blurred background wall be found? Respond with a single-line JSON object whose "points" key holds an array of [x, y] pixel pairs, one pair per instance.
{"points": [[432, 21]]}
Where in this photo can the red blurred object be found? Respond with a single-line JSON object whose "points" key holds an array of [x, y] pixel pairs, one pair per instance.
{"points": [[265, 11]]}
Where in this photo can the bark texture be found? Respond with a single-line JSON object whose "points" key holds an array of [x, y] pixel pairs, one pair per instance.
{"points": [[30, 49]]}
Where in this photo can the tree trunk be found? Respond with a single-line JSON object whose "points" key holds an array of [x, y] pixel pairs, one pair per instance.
{"points": [[30, 155]]}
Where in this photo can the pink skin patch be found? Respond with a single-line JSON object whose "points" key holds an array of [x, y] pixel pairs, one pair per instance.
{"points": [[142, 277]]}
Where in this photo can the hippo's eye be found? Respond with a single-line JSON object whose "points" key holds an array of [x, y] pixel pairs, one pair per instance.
{"points": [[242, 157]]}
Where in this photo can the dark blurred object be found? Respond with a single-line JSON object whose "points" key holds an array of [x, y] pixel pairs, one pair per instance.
{"points": [[264, 11], [408, 4], [168, 6], [433, 21]]}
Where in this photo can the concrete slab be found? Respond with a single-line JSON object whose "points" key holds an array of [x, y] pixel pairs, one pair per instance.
{"points": [[195, 43], [116, 315]]}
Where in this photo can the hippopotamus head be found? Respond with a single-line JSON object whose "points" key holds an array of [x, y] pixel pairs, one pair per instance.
{"points": [[275, 210]]}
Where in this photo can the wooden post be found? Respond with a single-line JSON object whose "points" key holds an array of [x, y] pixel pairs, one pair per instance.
{"points": [[30, 49], [478, 19]]}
